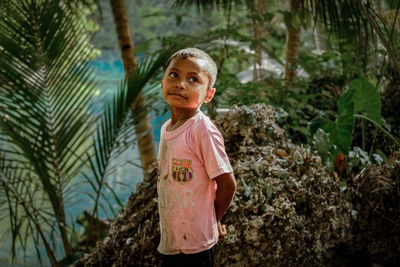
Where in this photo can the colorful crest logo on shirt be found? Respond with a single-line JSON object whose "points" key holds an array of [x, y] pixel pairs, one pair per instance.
{"points": [[181, 170]]}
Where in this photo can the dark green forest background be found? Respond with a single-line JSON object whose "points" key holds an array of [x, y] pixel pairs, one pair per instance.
{"points": [[329, 68]]}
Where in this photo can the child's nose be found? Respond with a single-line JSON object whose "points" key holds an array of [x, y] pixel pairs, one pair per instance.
{"points": [[180, 85]]}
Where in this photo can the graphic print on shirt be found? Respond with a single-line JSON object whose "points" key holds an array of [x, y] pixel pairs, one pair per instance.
{"points": [[182, 170]]}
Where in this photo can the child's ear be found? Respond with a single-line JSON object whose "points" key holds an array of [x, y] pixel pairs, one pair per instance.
{"points": [[209, 95]]}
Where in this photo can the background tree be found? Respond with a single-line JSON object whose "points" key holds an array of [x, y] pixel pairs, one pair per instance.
{"points": [[292, 42], [257, 13], [143, 129]]}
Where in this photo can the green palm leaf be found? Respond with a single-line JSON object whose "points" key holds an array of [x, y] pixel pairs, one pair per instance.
{"points": [[356, 20], [46, 95], [24, 218]]}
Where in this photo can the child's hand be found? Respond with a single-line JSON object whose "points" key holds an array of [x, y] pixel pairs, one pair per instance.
{"points": [[221, 231]]}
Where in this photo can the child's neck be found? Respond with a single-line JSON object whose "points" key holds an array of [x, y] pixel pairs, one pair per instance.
{"points": [[180, 116]]}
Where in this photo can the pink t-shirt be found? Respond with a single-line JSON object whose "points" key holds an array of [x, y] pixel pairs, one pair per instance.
{"points": [[189, 157]]}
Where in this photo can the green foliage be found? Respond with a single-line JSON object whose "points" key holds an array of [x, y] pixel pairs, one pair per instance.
{"points": [[153, 19], [342, 131], [301, 18], [361, 96], [204, 6], [46, 117], [317, 98], [85, 11], [316, 111], [335, 67], [366, 99]]}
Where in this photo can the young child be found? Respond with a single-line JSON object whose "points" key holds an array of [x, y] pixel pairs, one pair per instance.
{"points": [[195, 183]]}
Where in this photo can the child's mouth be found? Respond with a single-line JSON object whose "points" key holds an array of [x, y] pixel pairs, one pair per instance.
{"points": [[179, 95]]}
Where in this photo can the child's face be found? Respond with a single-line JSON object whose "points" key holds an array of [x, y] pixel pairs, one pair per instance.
{"points": [[185, 84]]}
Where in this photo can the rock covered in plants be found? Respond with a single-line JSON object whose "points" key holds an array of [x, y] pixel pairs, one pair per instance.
{"points": [[376, 200], [288, 208]]}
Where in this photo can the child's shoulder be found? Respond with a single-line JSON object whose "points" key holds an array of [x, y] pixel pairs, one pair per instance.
{"points": [[203, 125]]}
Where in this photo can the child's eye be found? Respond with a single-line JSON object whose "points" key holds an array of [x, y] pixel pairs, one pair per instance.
{"points": [[193, 79], [173, 75]]}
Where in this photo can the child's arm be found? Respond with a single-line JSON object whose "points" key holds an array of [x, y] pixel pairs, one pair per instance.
{"points": [[226, 186]]}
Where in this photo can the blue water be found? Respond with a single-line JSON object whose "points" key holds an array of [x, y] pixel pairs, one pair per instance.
{"points": [[114, 67]]}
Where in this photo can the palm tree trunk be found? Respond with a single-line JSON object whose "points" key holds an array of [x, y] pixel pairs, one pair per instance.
{"points": [[292, 48], [143, 128]]}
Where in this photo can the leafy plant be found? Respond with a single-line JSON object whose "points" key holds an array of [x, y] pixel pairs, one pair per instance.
{"points": [[46, 93], [361, 98]]}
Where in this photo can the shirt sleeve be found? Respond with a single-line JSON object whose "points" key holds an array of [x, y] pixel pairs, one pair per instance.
{"points": [[212, 152]]}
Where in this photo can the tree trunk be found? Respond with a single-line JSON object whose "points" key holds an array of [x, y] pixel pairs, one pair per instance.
{"points": [[256, 9], [261, 33], [319, 37], [143, 128], [292, 48], [319, 32]]}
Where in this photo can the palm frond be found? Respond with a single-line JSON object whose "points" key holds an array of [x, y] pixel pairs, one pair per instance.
{"points": [[18, 193], [46, 97], [355, 20], [383, 32]]}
